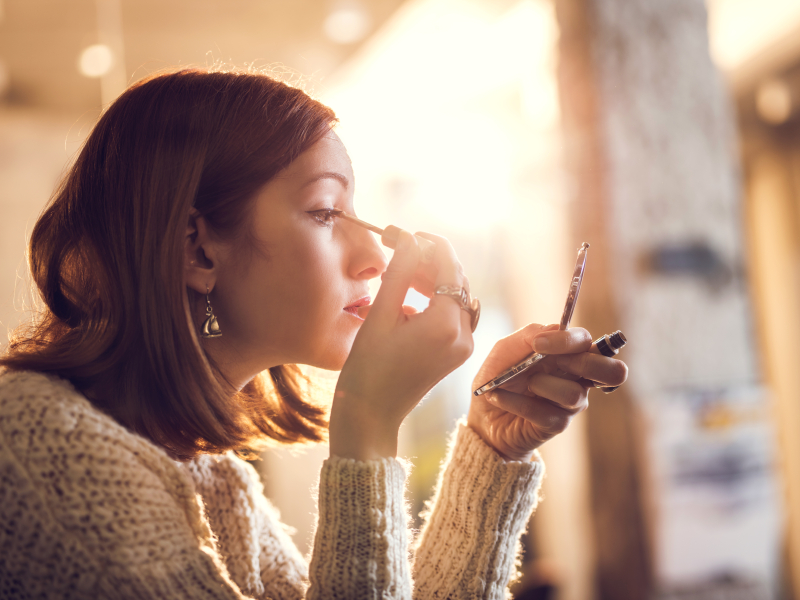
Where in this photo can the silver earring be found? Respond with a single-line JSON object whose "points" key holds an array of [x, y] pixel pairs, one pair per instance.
{"points": [[210, 328]]}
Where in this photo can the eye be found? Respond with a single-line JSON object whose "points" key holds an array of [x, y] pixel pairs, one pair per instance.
{"points": [[325, 216]]}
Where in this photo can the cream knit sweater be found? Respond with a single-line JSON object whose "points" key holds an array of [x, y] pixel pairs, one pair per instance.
{"points": [[90, 510]]}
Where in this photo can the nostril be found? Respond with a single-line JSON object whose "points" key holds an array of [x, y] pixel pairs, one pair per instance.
{"points": [[370, 272]]}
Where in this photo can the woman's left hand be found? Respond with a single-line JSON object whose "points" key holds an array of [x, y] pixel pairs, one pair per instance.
{"points": [[540, 403]]}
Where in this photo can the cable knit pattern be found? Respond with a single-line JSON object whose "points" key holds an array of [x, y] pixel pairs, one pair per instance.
{"points": [[469, 545], [90, 510], [362, 526], [260, 556]]}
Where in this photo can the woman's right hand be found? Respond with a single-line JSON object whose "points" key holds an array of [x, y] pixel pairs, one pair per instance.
{"points": [[399, 354]]}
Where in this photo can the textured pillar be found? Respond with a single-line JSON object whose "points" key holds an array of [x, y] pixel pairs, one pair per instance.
{"points": [[650, 145]]}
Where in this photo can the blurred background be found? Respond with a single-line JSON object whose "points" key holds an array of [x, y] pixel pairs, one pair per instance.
{"points": [[666, 134]]}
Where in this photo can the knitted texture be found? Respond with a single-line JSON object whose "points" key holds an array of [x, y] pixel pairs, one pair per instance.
{"points": [[258, 552], [362, 526], [469, 545], [90, 510]]}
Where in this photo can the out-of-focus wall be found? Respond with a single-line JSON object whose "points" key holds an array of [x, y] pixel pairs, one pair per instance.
{"points": [[41, 41], [35, 147], [757, 45]]}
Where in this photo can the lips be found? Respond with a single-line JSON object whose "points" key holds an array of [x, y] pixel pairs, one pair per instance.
{"points": [[354, 306]]}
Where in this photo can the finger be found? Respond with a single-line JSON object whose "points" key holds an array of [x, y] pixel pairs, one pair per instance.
{"points": [[397, 278], [449, 269], [571, 341], [449, 272], [363, 311], [518, 345], [424, 280], [596, 367], [569, 395], [409, 310], [548, 418]]}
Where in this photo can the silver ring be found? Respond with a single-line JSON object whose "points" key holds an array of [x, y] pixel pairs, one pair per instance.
{"points": [[465, 301]]}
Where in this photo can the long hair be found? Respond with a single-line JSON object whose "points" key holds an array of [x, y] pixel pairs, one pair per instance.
{"points": [[107, 258]]}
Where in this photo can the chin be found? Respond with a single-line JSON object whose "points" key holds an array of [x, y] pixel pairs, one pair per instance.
{"points": [[335, 348], [333, 360], [328, 364]]}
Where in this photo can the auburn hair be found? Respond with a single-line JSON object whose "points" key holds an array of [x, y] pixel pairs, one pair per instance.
{"points": [[107, 257]]}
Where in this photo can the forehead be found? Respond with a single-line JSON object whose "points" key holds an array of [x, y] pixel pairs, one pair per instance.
{"points": [[328, 154]]}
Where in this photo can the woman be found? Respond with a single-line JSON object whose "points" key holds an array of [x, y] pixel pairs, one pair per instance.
{"points": [[202, 203]]}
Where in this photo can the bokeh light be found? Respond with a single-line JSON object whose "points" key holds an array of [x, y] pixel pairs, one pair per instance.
{"points": [[96, 61], [774, 101], [347, 24]]}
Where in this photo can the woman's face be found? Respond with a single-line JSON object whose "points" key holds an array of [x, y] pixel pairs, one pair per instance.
{"points": [[293, 299]]}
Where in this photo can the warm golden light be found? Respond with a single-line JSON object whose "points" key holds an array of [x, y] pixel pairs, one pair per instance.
{"points": [[774, 101], [347, 24], [96, 61], [740, 29], [443, 108]]}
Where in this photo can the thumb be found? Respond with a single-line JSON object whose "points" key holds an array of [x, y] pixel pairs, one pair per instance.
{"points": [[518, 345], [397, 278]]}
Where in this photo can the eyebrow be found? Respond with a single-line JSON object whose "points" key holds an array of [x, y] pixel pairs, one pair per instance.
{"points": [[329, 175]]}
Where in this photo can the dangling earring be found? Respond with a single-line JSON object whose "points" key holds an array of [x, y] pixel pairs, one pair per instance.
{"points": [[210, 328]]}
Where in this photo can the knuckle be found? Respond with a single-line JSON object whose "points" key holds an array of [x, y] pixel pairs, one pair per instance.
{"points": [[447, 335], [559, 423], [574, 395], [467, 347], [533, 384], [583, 364], [528, 332]]}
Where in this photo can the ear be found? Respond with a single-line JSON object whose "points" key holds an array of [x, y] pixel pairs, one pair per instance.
{"points": [[201, 254]]}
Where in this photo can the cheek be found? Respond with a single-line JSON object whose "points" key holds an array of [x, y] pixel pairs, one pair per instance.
{"points": [[306, 280]]}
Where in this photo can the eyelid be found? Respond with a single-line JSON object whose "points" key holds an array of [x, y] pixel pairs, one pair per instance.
{"points": [[327, 214]]}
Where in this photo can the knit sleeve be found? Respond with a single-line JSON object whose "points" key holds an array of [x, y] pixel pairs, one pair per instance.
{"points": [[360, 547], [468, 546]]}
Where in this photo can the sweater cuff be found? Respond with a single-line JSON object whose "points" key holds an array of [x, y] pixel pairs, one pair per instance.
{"points": [[482, 506], [361, 543]]}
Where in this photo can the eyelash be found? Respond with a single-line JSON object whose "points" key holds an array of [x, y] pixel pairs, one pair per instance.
{"points": [[325, 216]]}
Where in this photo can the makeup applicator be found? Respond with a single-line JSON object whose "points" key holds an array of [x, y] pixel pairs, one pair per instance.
{"points": [[390, 234]]}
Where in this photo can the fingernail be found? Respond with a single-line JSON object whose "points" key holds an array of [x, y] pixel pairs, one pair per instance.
{"points": [[541, 345]]}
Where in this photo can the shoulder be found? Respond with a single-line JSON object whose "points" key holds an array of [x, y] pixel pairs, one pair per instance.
{"points": [[22, 389], [43, 415], [43, 401], [86, 470], [37, 409]]}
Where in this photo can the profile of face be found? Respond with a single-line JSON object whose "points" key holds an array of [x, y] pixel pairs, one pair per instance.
{"points": [[293, 299]]}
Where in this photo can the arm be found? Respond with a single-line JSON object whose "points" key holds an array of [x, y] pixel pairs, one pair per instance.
{"points": [[361, 547], [469, 543], [489, 486]]}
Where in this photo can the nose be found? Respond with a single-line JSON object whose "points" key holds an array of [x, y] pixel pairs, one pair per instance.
{"points": [[367, 259]]}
